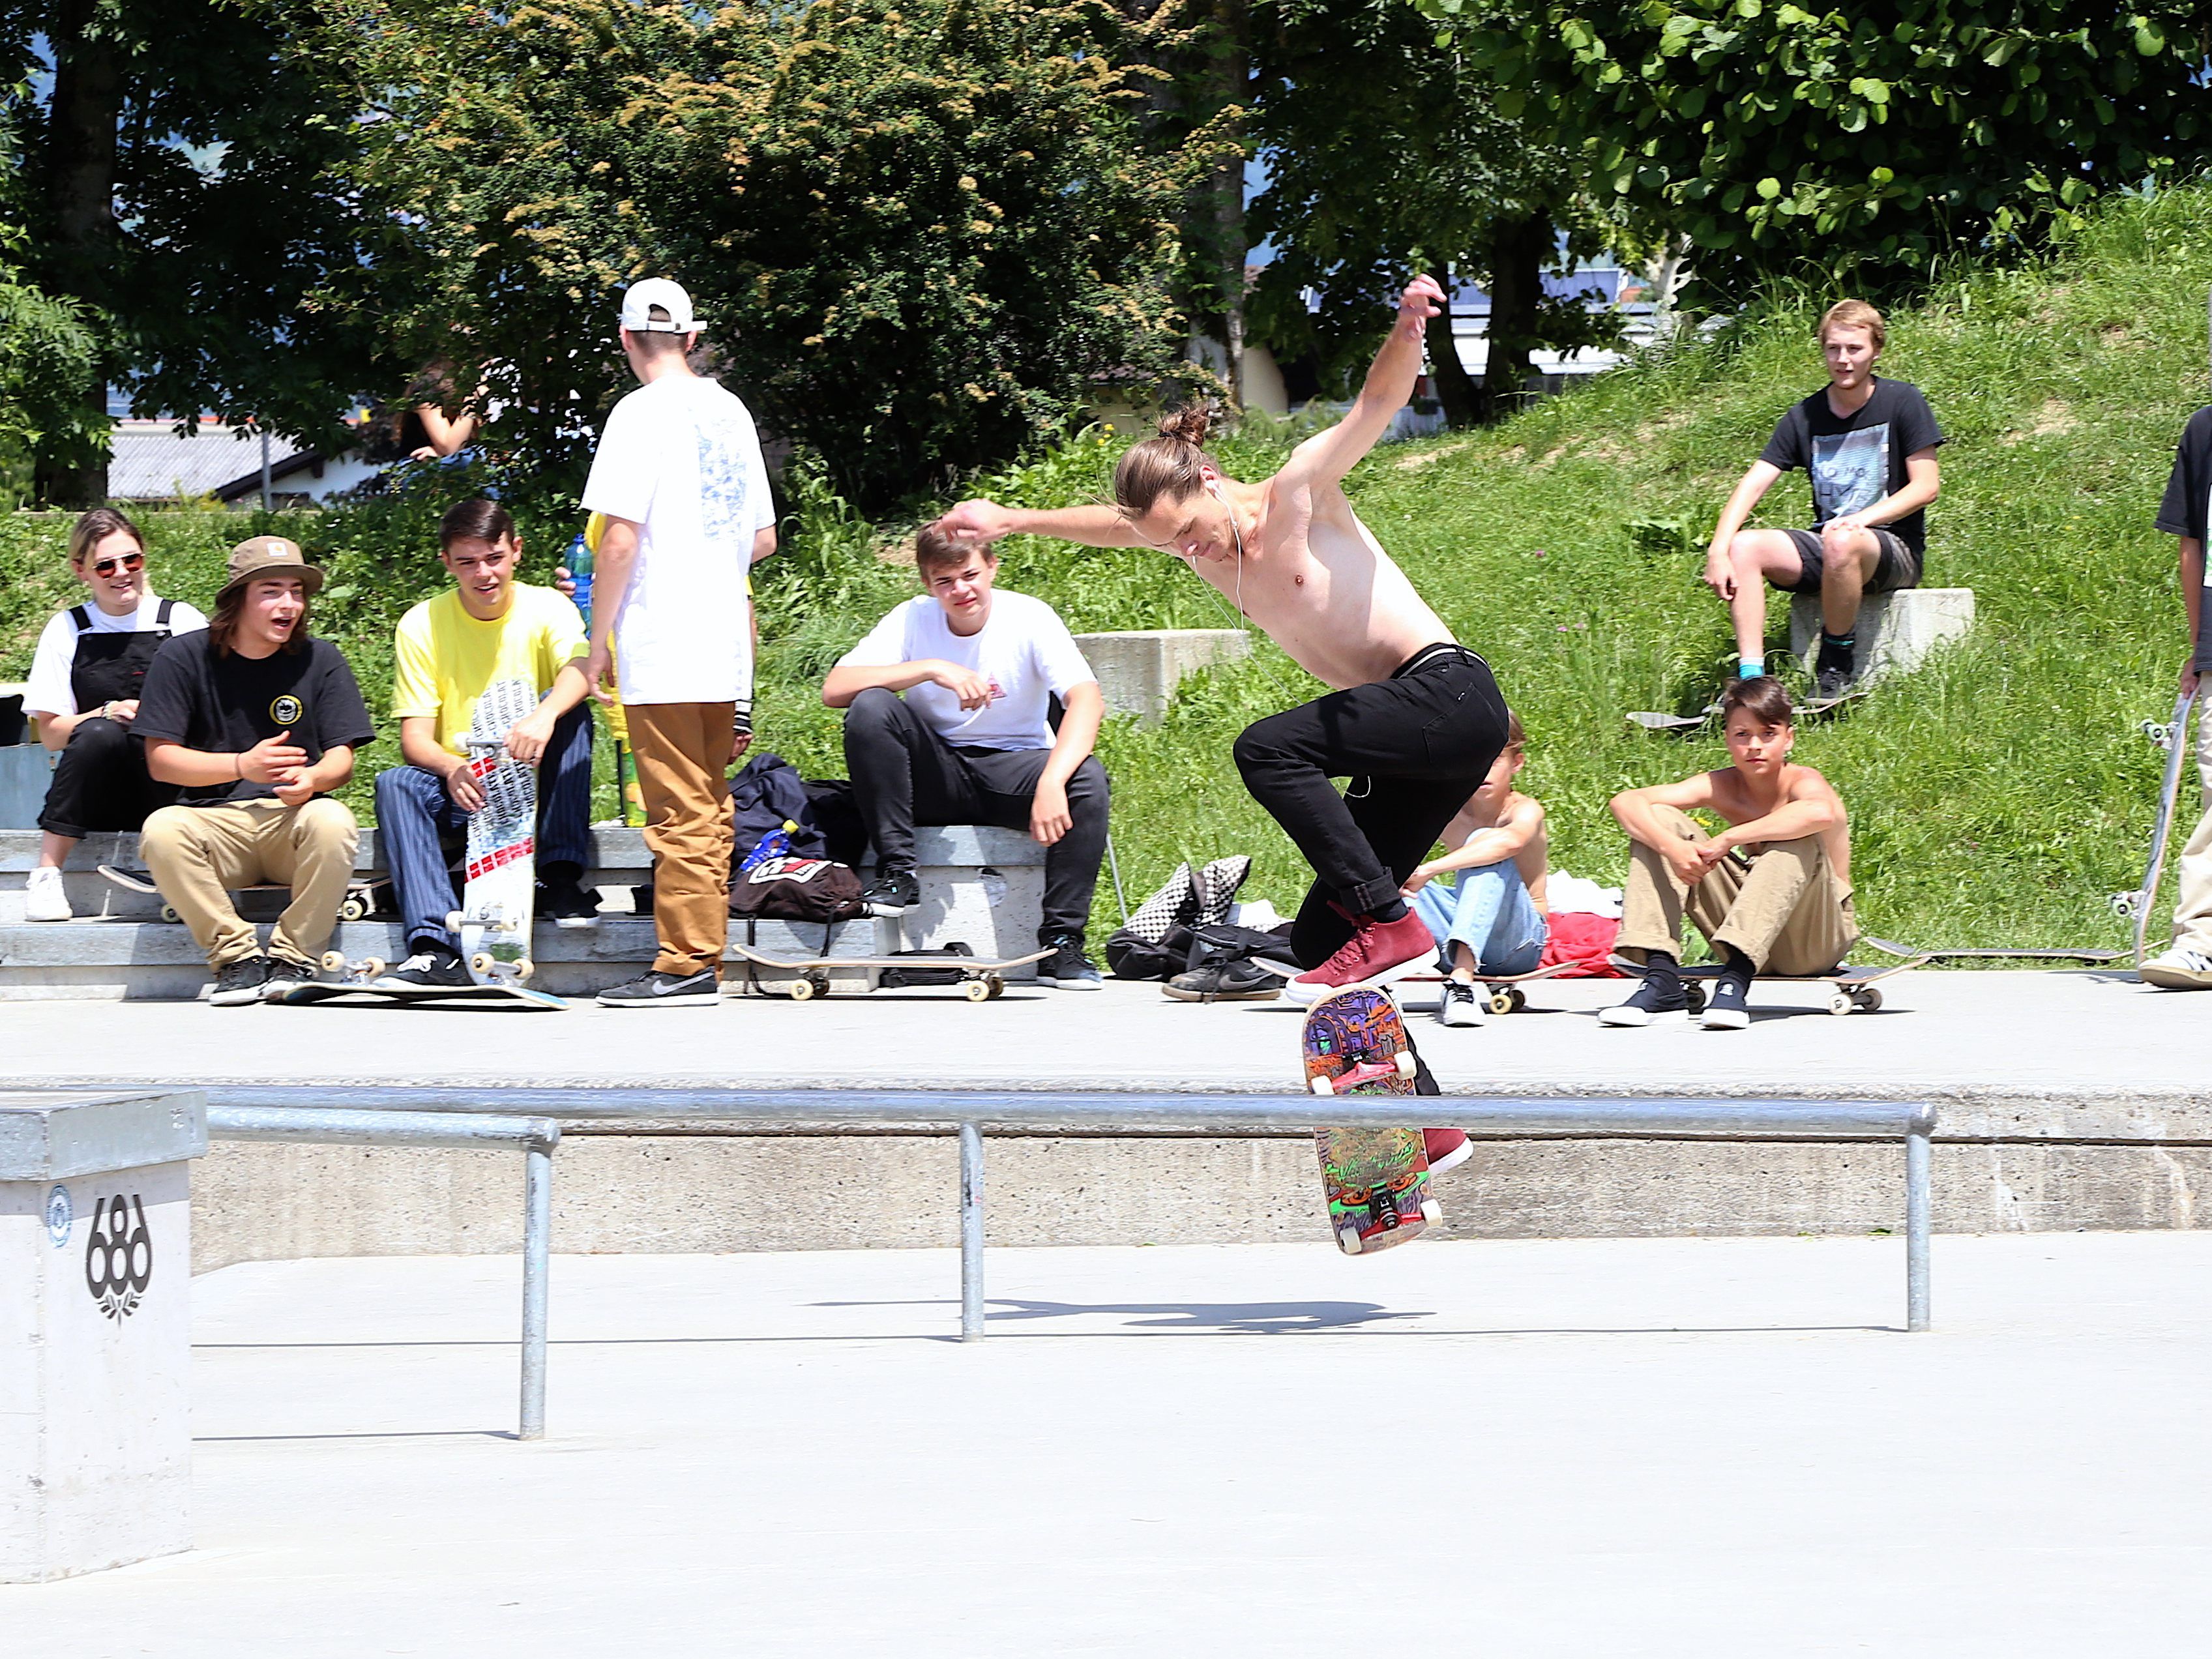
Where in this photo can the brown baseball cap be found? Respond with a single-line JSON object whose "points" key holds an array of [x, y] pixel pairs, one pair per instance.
{"points": [[270, 555]]}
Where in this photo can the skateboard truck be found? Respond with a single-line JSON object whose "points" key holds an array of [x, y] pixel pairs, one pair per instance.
{"points": [[1403, 1064]]}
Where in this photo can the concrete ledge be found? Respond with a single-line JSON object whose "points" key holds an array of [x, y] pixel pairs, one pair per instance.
{"points": [[981, 885], [1139, 670], [1896, 631]]}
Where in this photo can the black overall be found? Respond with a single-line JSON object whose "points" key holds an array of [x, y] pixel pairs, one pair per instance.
{"points": [[101, 779]]}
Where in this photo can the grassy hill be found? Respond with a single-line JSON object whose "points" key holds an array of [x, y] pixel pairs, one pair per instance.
{"points": [[1996, 797]]}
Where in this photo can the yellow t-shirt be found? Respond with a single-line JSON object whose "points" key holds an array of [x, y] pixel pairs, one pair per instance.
{"points": [[443, 658]]}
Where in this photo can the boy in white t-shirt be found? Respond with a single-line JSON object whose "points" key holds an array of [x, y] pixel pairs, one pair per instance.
{"points": [[971, 742], [679, 475]]}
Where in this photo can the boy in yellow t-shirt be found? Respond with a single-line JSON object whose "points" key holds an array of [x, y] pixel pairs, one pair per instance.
{"points": [[446, 651]]}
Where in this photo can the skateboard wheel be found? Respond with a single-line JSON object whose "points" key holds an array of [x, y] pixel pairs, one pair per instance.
{"points": [[1841, 1002], [1321, 1085], [525, 968], [354, 908], [976, 990], [1869, 1000], [372, 968], [997, 982], [1696, 994], [1520, 998], [169, 914], [1348, 1238], [453, 921], [1432, 1212], [333, 961], [1501, 1002], [802, 990], [1406, 1064], [481, 965]]}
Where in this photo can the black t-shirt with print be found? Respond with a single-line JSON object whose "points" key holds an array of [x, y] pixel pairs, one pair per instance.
{"points": [[2188, 505], [1856, 459], [225, 705]]}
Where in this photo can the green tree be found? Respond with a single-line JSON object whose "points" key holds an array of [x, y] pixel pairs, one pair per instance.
{"points": [[922, 233], [1863, 145], [47, 350], [1386, 154]]}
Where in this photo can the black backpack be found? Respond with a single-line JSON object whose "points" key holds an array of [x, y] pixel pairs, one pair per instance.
{"points": [[768, 795]]}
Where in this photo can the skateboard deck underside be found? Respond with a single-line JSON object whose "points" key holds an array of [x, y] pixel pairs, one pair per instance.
{"points": [[501, 873], [1375, 1180], [523, 994]]}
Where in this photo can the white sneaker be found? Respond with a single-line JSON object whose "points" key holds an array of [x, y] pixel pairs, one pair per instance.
{"points": [[43, 897], [2177, 970], [1461, 1005]]}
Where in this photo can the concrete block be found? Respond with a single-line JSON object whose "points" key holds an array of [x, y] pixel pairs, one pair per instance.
{"points": [[980, 884], [1896, 631], [95, 1330], [1139, 671], [26, 769]]}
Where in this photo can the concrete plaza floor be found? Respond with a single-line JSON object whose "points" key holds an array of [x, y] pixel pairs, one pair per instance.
{"points": [[1653, 1448]]}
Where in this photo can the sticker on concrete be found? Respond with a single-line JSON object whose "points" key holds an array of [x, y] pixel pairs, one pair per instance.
{"points": [[59, 1214], [994, 886], [118, 1255]]}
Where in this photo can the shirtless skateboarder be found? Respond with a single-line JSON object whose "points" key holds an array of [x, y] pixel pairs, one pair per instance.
{"points": [[1416, 718]]}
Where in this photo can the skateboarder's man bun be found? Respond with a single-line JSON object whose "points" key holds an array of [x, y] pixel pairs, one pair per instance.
{"points": [[1763, 699], [1169, 465]]}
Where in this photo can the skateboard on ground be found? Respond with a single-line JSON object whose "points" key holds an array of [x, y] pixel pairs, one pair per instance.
{"points": [[492, 926], [1377, 1181], [2173, 738], [1505, 993], [355, 979], [358, 904], [1996, 953], [982, 978], [1811, 708], [1851, 990]]}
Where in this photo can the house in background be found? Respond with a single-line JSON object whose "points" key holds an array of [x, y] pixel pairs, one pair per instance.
{"points": [[151, 464]]}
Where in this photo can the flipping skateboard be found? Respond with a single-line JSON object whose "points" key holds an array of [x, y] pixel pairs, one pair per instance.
{"points": [[492, 926], [982, 978], [1994, 953], [1506, 996], [1851, 990], [358, 904], [2173, 738], [1377, 1181], [364, 977], [1811, 708]]}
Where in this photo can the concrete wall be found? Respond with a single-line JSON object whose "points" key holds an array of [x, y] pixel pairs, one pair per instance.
{"points": [[616, 1190]]}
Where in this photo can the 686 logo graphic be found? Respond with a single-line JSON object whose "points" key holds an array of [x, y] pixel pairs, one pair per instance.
{"points": [[118, 1255]]}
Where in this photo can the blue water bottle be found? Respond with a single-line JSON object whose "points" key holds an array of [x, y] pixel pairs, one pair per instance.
{"points": [[580, 568]]}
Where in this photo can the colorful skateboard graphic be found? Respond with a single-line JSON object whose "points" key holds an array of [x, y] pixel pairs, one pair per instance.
{"points": [[982, 978], [492, 926], [2173, 738], [1377, 1181]]}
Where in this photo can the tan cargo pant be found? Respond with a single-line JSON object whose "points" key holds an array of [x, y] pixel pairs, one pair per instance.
{"points": [[199, 855], [2192, 913], [1786, 912], [683, 751]]}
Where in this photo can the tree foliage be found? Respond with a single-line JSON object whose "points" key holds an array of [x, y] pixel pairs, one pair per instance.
{"points": [[1870, 140], [922, 232]]}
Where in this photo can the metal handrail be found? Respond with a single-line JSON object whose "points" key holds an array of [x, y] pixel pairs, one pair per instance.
{"points": [[971, 1114], [536, 1136]]}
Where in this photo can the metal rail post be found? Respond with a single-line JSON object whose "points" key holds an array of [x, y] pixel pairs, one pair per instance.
{"points": [[1918, 1219], [536, 1265], [971, 1233]]}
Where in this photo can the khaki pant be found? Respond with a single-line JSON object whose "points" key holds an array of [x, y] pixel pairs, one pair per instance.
{"points": [[2192, 914], [199, 855], [683, 751], [1787, 912]]}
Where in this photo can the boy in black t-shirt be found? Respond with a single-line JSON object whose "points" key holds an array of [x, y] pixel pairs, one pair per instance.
{"points": [[2186, 965], [256, 721], [1870, 445]]}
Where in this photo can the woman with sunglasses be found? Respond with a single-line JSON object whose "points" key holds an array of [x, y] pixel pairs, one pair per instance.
{"points": [[83, 692]]}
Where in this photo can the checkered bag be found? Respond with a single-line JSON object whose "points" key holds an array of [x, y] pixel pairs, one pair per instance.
{"points": [[1216, 887], [1173, 905]]}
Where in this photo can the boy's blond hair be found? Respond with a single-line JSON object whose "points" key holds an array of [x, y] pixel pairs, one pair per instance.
{"points": [[1853, 313], [1515, 736]]}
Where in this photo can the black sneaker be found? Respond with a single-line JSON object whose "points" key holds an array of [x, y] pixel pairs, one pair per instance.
{"points": [[1728, 1005], [654, 990], [1833, 669], [285, 976], [567, 903], [1649, 1000], [892, 893], [1067, 967], [432, 967], [1238, 980], [238, 982]]}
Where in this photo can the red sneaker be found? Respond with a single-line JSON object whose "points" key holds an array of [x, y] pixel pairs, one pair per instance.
{"points": [[1376, 953], [1447, 1148]]}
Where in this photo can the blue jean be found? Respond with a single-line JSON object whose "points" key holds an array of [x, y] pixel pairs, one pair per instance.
{"points": [[1489, 912], [416, 822]]}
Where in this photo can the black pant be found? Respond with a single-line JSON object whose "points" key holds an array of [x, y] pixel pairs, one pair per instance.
{"points": [[1415, 745], [100, 781], [903, 774]]}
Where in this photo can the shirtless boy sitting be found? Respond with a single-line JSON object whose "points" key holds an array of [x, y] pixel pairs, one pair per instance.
{"points": [[1415, 718], [1771, 892], [1492, 920]]}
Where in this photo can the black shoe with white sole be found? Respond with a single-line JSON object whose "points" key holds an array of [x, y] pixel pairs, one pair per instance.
{"points": [[566, 902], [1067, 967], [1728, 1005], [237, 983], [285, 978], [654, 990], [1238, 980], [432, 967], [892, 893], [1649, 1001]]}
